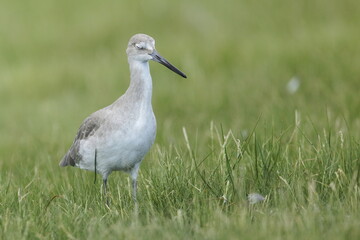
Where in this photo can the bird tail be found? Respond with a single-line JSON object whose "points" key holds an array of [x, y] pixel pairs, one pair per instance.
{"points": [[67, 160]]}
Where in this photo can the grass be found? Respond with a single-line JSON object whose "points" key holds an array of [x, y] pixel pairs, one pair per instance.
{"points": [[228, 130]]}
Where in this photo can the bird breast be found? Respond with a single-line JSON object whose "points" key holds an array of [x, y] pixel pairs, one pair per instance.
{"points": [[122, 147]]}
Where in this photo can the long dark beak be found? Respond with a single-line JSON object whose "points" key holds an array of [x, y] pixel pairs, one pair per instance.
{"points": [[158, 58]]}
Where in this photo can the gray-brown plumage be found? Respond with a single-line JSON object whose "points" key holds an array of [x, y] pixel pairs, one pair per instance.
{"points": [[87, 129], [117, 137]]}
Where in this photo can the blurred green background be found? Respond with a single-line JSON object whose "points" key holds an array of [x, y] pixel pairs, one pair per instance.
{"points": [[62, 60]]}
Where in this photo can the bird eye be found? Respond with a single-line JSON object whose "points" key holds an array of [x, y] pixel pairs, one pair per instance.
{"points": [[140, 46]]}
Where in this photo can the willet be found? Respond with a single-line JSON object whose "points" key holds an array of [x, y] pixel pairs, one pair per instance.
{"points": [[117, 137]]}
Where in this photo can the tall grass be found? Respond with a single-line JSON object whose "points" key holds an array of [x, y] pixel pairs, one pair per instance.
{"points": [[310, 190]]}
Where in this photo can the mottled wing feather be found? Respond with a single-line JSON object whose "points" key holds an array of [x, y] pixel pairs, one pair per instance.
{"points": [[87, 129]]}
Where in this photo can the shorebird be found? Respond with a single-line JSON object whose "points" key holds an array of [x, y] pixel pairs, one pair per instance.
{"points": [[117, 137]]}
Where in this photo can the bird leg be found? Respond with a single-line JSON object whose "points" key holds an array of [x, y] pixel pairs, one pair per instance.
{"points": [[134, 189], [134, 173], [105, 191]]}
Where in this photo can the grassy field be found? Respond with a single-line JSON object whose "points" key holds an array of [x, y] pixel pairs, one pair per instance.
{"points": [[232, 128]]}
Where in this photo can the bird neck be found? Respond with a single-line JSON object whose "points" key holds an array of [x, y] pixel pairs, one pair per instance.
{"points": [[140, 89]]}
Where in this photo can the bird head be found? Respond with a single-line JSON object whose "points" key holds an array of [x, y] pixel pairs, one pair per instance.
{"points": [[141, 47]]}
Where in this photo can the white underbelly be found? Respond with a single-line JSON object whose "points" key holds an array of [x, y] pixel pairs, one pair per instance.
{"points": [[118, 149]]}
